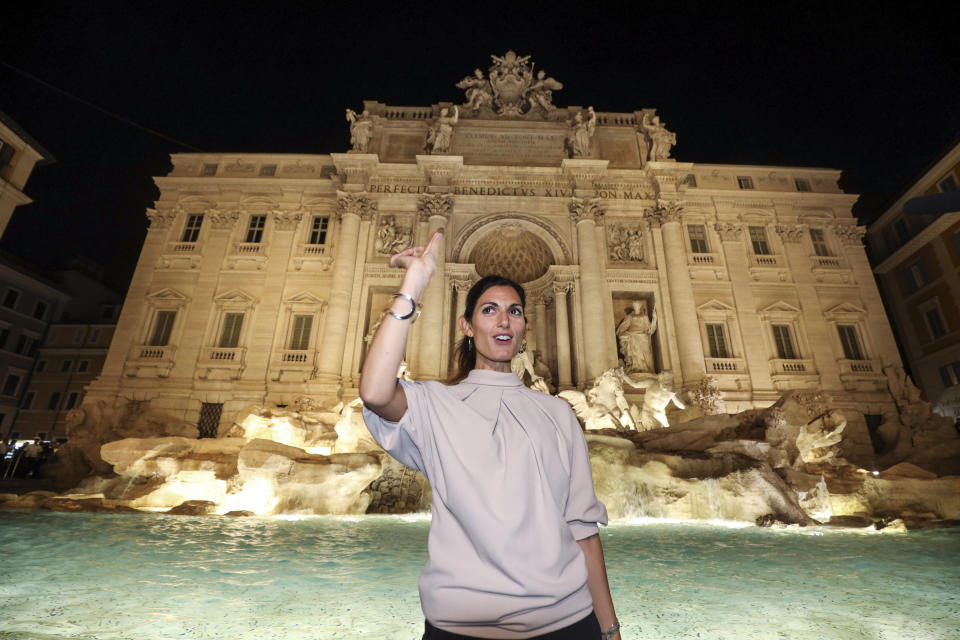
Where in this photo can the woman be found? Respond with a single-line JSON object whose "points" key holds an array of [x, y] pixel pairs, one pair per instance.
{"points": [[514, 548]]}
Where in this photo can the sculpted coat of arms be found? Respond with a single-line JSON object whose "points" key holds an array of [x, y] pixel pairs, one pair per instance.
{"points": [[511, 88]]}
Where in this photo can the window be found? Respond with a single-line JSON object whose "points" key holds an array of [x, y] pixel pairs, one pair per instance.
{"points": [[784, 342], [40, 310], [230, 332], [11, 298], [27, 400], [72, 400], [318, 231], [54, 402], [300, 332], [26, 345], [950, 374], [903, 233], [41, 366], [916, 276], [758, 238], [65, 366], [850, 342], [4, 336], [6, 153], [78, 335], [11, 384], [209, 169], [162, 327], [690, 180], [83, 366], [192, 231], [948, 184], [94, 336], [698, 238], [819, 242], [802, 184], [268, 170], [935, 323], [255, 229], [745, 182], [717, 341]]}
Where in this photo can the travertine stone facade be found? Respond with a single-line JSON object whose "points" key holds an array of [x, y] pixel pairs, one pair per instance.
{"points": [[262, 274]]}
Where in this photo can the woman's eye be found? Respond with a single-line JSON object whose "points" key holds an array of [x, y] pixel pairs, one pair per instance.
{"points": [[516, 311]]}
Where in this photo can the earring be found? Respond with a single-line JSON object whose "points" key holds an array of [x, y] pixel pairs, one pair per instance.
{"points": [[469, 343], [523, 346]]}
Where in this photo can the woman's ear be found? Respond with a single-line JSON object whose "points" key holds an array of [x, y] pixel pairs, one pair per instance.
{"points": [[465, 327]]}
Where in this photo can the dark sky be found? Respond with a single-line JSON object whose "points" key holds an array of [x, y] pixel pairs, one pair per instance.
{"points": [[871, 88]]}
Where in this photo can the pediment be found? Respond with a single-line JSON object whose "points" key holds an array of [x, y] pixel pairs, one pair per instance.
{"points": [[167, 295], [304, 297], [780, 307], [235, 295], [845, 308], [196, 203], [716, 306], [258, 201]]}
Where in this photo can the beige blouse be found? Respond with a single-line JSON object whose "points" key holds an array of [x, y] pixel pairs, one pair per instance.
{"points": [[512, 494]]}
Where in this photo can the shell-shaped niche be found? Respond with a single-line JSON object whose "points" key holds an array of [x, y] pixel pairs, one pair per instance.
{"points": [[513, 252]]}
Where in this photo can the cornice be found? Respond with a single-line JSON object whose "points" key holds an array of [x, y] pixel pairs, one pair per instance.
{"points": [[929, 232]]}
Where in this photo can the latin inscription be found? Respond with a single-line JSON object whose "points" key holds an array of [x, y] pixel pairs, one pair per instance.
{"points": [[508, 147], [528, 192]]}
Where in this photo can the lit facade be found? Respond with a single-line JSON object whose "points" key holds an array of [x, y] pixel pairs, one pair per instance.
{"points": [[263, 275], [19, 155]]}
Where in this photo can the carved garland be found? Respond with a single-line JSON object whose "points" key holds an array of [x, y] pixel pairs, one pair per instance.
{"points": [[850, 235], [790, 233], [729, 231]]}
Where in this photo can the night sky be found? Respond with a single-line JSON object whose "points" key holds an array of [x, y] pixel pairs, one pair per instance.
{"points": [[873, 90]]}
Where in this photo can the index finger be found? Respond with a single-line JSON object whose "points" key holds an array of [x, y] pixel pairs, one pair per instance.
{"points": [[432, 245]]}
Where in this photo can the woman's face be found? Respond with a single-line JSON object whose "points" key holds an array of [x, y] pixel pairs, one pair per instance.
{"points": [[497, 327]]}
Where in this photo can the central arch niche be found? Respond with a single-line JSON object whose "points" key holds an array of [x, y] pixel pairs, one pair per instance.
{"points": [[513, 252]]}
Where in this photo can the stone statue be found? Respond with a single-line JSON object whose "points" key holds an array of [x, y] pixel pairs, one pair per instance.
{"points": [[581, 133], [604, 405], [540, 93], [479, 93], [361, 130], [643, 146], [658, 395], [441, 133], [634, 333], [660, 139], [522, 365], [542, 370]]}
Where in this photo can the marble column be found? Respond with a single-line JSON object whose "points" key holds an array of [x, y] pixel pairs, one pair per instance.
{"points": [[435, 210], [460, 289], [540, 324], [351, 208], [666, 216], [585, 212], [564, 379]]}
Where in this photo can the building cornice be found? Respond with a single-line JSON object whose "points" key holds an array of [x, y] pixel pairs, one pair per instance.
{"points": [[929, 232]]}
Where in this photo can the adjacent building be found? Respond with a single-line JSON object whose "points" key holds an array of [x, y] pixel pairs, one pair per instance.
{"points": [[263, 276], [19, 155], [915, 246]]}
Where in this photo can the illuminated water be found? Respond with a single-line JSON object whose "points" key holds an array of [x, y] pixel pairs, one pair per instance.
{"points": [[154, 576]]}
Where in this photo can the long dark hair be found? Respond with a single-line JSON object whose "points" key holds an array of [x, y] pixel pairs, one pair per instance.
{"points": [[466, 349]]}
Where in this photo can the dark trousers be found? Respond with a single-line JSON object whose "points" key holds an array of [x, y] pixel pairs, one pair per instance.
{"points": [[586, 629]]}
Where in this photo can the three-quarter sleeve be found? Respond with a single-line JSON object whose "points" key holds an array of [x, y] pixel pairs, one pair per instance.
{"points": [[402, 439], [583, 510]]}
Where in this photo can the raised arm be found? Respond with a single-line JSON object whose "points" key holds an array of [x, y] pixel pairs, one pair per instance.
{"points": [[379, 389]]}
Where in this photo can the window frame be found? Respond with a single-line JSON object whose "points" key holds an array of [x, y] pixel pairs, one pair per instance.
{"points": [[821, 247], [319, 230], [745, 182], [802, 185], [755, 243], [192, 227], [256, 224], [6, 383], [16, 298], [694, 241]]}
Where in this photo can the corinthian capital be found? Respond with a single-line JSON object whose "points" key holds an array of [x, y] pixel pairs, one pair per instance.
{"points": [[562, 288], [729, 231], [790, 232], [665, 211], [161, 218], [286, 220], [223, 218], [437, 204], [358, 204], [586, 209], [849, 234]]}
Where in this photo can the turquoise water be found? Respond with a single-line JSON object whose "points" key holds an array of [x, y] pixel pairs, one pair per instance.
{"points": [[151, 576]]}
